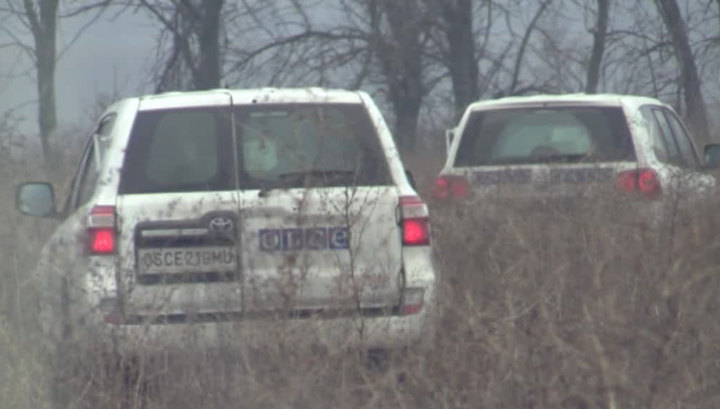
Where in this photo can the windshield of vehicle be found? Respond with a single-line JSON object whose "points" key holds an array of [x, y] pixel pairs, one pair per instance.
{"points": [[542, 135], [278, 146]]}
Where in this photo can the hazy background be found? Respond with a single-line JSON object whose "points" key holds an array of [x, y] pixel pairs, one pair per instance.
{"points": [[110, 49], [111, 58], [543, 309]]}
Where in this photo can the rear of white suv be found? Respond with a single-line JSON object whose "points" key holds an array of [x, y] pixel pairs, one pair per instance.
{"points": [[560, 148], [238, 216]]}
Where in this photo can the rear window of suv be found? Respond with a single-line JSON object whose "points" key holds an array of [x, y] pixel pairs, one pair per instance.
{"points": [[278, 146], [542, 135]]}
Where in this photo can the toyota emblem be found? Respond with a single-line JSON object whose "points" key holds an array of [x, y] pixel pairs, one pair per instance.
{"points": [[221, 225]]}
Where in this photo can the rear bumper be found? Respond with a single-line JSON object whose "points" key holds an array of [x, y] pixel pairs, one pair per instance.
{"points": [[95, 303], [627, 211], [387, 332]]}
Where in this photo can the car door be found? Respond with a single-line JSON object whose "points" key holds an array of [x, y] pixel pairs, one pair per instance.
{"points": [[80, 192], [318, 211], [178, 212], [681, 165], [696, 183], [63, 263]]}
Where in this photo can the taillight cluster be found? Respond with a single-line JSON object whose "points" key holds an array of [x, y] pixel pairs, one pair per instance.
{"points": [[101, 230], [414, 221], [644, 182], [451, 186]]}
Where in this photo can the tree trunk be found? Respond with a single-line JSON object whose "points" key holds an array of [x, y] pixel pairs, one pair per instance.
{"points": [[696, 112], [407, 114], [458, 28], [44, 26], [209, 39], [598, 49], [401, 60], [194, 60]]}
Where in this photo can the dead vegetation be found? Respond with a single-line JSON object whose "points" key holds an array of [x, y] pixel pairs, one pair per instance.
{"points": [[541, 309]]}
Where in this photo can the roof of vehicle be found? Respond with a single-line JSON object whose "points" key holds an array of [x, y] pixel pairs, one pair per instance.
{"points": [[247, 96], [631, 101]]}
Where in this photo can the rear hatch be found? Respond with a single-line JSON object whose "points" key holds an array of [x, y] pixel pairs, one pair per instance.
{"points": [[322, 251], [289, 210], [556, 154], [178, 215], [318, 211]]}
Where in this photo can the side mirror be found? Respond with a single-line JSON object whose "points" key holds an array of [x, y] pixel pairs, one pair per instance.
{"points": [[449, 136], [35, 199], [712, 156]]}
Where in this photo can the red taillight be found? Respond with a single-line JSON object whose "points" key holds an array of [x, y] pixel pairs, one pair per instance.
{"points": [[415, 232], [102, 241], [451, 186], [642, 181], [101, 230], [648, 183], [414, 221], [441, 189]]}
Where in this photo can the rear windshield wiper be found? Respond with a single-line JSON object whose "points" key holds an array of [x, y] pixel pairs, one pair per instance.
{"points": [[566, 157], [328, 175], [289, 178], [317, 172]]}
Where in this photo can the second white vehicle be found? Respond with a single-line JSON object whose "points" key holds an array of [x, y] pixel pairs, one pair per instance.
{"points": [[558, 148]]}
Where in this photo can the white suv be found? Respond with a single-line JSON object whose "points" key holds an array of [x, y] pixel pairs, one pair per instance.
{"points": [[562, 147], [229, 215]]}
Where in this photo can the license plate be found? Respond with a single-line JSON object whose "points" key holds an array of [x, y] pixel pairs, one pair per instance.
{"points": [[182, 260]]}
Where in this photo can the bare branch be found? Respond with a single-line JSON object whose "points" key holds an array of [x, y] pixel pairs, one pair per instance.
{"points": [[524, 43]]}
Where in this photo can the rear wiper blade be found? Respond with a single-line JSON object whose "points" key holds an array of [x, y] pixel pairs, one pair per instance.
{"points": [[538, 159], [566, 157], [298, 176], [317, 172]]}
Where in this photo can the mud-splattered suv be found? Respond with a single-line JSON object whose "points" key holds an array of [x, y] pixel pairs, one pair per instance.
{"points": [[556, 149], [202, 218]]}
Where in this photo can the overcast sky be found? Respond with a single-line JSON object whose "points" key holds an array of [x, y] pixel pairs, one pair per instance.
{"points": [[112, 57]]}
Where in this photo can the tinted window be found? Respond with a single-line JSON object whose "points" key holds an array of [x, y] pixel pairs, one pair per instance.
{"points": [[103, 132], [85, 179], [321, 145], [188, 145], [537, 135], [89, 178], [659, 145], [179, 150], [106, 125], [278, 146], [687, 151], [673, 154]]}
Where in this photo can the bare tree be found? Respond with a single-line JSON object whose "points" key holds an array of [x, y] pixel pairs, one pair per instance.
{"points": [[689, 75], [599, 33], [399, 49], [380, 44], [194, 28], [513, 88], [459, 49], [42, 20]]}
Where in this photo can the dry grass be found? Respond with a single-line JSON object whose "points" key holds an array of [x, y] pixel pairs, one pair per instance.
{"points": [[540, 310]]}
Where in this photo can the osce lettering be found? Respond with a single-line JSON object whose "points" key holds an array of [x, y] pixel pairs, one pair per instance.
{"points": [[313, 238]]}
